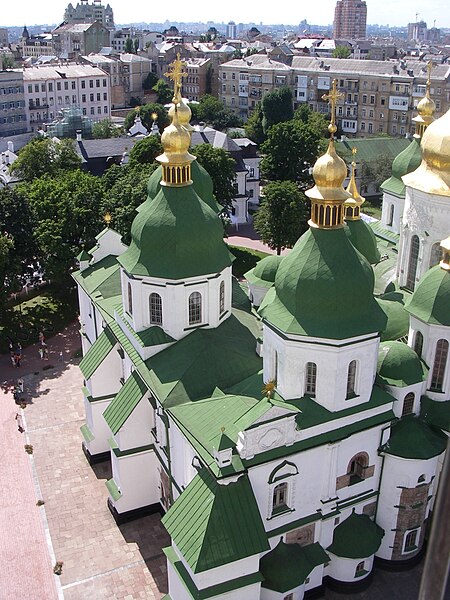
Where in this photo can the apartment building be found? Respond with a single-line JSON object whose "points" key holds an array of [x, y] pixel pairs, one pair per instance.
{"points": [[195, 84], [49, 89], [84, 12], [38, 45], [377, 96], [350, 19], [13, 114], [73, 39]]}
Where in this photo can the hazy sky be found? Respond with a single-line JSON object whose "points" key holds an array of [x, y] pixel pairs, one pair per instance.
{"points": [[392, 12]]}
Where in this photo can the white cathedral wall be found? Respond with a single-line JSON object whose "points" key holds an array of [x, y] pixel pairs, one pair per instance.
{"points": [[399, 393], [343, 569], [182, 455], [136, 431], [97, 425], [256, 293], [389, 201], [297, 593], [87, 316], [109, 243], [105, 381]]}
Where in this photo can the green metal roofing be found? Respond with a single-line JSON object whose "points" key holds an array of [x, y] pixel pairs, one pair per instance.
{"points": [[385, 234], [406, 162], [87, 433], [363, 239], [176, 235], [399, 365], [315, 288], [83, 256], [435, 413], [214, 525], [369, 149], [288, 565], [356, 537], [393, 306], [412, 438], [97, 353], [125, 402], [152, 336], [113, 489], [264, 272], [102, 277], [430, 301]]}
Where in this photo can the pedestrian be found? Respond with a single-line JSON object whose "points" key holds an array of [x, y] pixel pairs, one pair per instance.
{"points": [[19, 423], [41, 352], [19, 349], [45, 349], [17, 359], [13, 360], [41, 337], [20, 384], [11, 348]]}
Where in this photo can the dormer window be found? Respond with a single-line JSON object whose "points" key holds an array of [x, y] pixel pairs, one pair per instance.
{"points": [[155, 303], [195, 308]]}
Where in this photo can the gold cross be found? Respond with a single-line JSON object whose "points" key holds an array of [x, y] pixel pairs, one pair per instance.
{"points": [[176, 74], [429, 69], [354, 151], [332, 98]]}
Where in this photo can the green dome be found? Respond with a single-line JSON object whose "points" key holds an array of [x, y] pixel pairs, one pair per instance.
{"points": [[201, 182], [430, 301], [412, 438], [406, 162], [363, 238], [356, 537], [393, 306], [324, 288], [267, 268], [176, 235], [399, 365]]}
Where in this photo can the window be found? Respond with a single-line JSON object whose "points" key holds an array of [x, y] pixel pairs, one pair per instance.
{"points": [[58, 86], [195, 308], [83, 84], [222, 297], [418, 344], [360, 570], [412, 265], [130, 299], [440, 359], [155, 309], [351, 379], [289, 597], [98, 97], [73, 85], [391, 215], [66, 85], [279, 497], [357, 468], [408, 404], [310, 381], [435, 254], [410, 541], [91, 83]]}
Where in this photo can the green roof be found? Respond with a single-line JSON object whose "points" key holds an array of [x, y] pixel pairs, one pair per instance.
{"points": [[385, 234], [369, 149], [356, 537], [125, 402], [213, 524], [435, 413], [412, 438], [430, 301], [113, 489], [174, 236], [399, 365], [152, 336], [393, 306], [406, 162], [101, 279], [84, 256], [363, 239], [264, 272], [97, 353], [315, 287], [288, 565]]}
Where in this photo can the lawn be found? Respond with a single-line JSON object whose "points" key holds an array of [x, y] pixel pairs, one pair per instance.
{"points": [[41, 310], [246, 259]]}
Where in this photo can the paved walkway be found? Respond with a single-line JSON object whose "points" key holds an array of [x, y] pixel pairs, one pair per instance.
{"points": [[246, 237]]}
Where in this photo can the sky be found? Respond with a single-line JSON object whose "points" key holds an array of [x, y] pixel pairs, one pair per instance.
{"points": [[382, 12]]}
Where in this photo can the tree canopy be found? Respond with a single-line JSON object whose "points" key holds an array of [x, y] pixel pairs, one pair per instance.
{"points": [[150, 81], [146, 150], [341, 52], [211, 110], [221, 168], [45, 157], [105, 129], [145, 112], [164, 91], [277, 107], [282, 216], [254, 125]]}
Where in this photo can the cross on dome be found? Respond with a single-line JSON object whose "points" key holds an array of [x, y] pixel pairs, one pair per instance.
{"points": [[176, 74], [332, 98]]}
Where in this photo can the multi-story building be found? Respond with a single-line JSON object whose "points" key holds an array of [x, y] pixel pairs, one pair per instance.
{"points": [[417, 32], [195, 84], [4, 41], [13, 113], [231, 30], [71, 40], [88, 13], [350, 19], [49, 89], [378, 96], [37, 45]]}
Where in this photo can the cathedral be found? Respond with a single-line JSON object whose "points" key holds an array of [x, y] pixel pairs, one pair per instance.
{"points": [[290, 428]]}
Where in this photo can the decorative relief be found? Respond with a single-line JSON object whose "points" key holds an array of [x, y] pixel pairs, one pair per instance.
{"points": [[270, 438]]}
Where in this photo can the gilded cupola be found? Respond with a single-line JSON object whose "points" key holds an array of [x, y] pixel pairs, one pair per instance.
{"points": [[426, 107]]}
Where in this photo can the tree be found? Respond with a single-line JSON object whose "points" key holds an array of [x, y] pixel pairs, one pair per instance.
{"points": [[254, 127], [341, 52], [129, 46], [150, 81], [66, 211], [221, 168], [282, 216], [45, 157], [145, 112], [7, 62], [316, 121], [105, 129], [290, 151], [6, 250], [375, 171], [277, 106], [212, 111], [164, 92], [146, 150]]}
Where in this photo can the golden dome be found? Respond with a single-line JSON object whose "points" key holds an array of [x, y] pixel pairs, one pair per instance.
{"points": [[426, 107], [353, 204], [329, 173], [184, 112]]}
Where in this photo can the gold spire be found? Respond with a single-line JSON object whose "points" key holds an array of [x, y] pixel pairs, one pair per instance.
{"points": [[353, 204], [445, 261], [329, 172], [176, 139], [426, 106]]}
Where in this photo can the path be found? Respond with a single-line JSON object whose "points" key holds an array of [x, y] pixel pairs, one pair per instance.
{"points": [[246, 237]]}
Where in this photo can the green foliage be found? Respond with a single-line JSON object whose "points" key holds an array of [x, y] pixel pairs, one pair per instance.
{"points": [[277, 107], [246, 259], [376, 171], [282, 216], [6, 251], [125, 190], [146, 150], [45, 157], [150, 81], [7, 61], [66, 211], [134, 101], [341, 52], [164, 91], [129, 46], [315, 121], [254, 126], [105, 129], [221, 169], [212, 111], [290, 150], [145, 113]]}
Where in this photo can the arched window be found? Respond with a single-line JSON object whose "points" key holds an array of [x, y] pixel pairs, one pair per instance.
{"points": [[279, 497], [222, 297], [357, 467], [360, 570], [435, 255], [351, 379], [310, 379], [408, 404], [195, 308], [418, 344], [155, 303], [440, 360], [130, 299], [391, 215], [412, 264], [410, 543]]}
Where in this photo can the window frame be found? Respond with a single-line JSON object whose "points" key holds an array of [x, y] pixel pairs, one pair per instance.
{"points": [[155, 309], [311, 379], [195, 307]]}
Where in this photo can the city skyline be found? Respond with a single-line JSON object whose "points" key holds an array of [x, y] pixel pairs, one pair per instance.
{"points": [[383, 12]]}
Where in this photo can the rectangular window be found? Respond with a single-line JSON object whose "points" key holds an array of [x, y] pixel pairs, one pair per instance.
{"points": [[66, 85], [105, 109], [42, 87], [36, 88], [91, 97], [91, 83], [50, 87], [97, 83], [104, 83], [92, 110], [83, 84], [98, 97], [83, 97], [105, 96], [58, 86], [410, 541]]}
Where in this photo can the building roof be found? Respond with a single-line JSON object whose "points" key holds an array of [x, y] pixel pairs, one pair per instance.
{"points": [[369, 149], [435, 413], [263, 274], [61, 72], [97, 353], [213, 525], [363, 239], [103, 148], [399, 365], [356, 537], [412, 438], [393, 305], [257, 61], [430, 301], [125, 402], [407, 161]]}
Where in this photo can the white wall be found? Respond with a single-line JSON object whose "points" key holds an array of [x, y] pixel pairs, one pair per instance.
{"points": [[343, 569], [398, 204], [97, 425]]}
